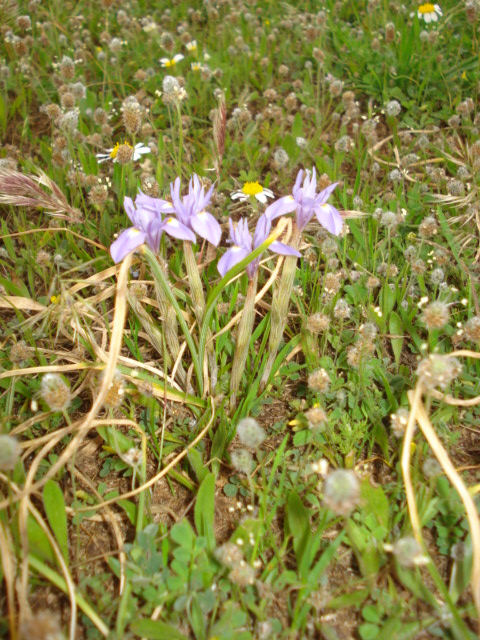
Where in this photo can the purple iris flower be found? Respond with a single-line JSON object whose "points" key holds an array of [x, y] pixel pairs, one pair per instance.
{"points": [[244, 244], [306, 202], [148, 227], [190, 210]]}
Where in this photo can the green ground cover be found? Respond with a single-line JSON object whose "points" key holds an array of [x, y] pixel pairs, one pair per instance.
{"points": [[205, 433]]}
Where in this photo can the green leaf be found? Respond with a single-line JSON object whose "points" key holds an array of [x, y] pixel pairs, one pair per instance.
{"points": [[368, 631], [375, 503], [130, 509], [38, 540], [183, 534], [195, 459], [298, 523], [156, 630], [54, 504], [205, 510]]}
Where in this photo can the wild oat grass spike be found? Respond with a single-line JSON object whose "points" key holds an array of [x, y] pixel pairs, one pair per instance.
{"points": [[25, 190]]}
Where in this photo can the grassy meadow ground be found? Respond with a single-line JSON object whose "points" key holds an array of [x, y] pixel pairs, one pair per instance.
{"points": [[282, 450]]}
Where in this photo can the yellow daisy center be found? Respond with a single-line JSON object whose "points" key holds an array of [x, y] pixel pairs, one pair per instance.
{"points": [[170, 63], [114, 151], [252, 188], [426, 8]]}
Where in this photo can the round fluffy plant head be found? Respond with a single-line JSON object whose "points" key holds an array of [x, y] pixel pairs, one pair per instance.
{"points": [[341, 491], [242, 460], [408, 552], [9, 452], [250, 433], [55, 392], [438, 370]]}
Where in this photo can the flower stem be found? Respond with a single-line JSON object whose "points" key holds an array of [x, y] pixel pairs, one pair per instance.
{"points": [[243, 340], [279, 312]]}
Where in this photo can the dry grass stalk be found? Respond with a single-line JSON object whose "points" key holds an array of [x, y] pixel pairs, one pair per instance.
{"points": [[219, 131], [8, 565], [418, 414], [25, 190]]}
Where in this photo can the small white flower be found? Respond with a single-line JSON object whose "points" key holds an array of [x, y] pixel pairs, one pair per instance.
{"points": [[252, 189], [429, 12], [111, 154], [196, 66], [171, 62], [191, 46]]}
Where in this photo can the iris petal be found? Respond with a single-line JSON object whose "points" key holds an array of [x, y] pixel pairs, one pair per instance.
{"points": [[126, 242]]}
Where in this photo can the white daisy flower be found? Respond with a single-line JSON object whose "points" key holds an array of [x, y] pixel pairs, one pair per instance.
{"points": [[252, 190], [111, 154], [171, 62], [191, 46], [429, 12], [196, 66]]}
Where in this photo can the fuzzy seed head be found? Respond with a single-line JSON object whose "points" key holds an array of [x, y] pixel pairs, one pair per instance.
{"points": [[438, 371], [428, 227], [242, 460], [318, 323], [250, 433], [116, 392], [229, 554], [319, 381], [418, 266], [243, 574], [472, 329], [341, 310], [436, 315], [43, 625], [9, 452], [124, 153], [67, 68], [408, 552], [317, 419], [132, 115], [55, 392], [398, 422], [367, 331], [431, 468], [437, 276], [341, 491], [19, 353], [393, 108]]}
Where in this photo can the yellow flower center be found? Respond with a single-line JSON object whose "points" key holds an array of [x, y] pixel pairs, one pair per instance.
{"points": [[170, 63], [426, 8], [252, 188], [114, 151]]}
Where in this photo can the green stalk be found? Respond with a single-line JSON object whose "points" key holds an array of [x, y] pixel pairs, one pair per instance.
{"points": [[198, 299], [195, 282], [160, 277], [227, 278], [243, 340], [278, 315]]}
